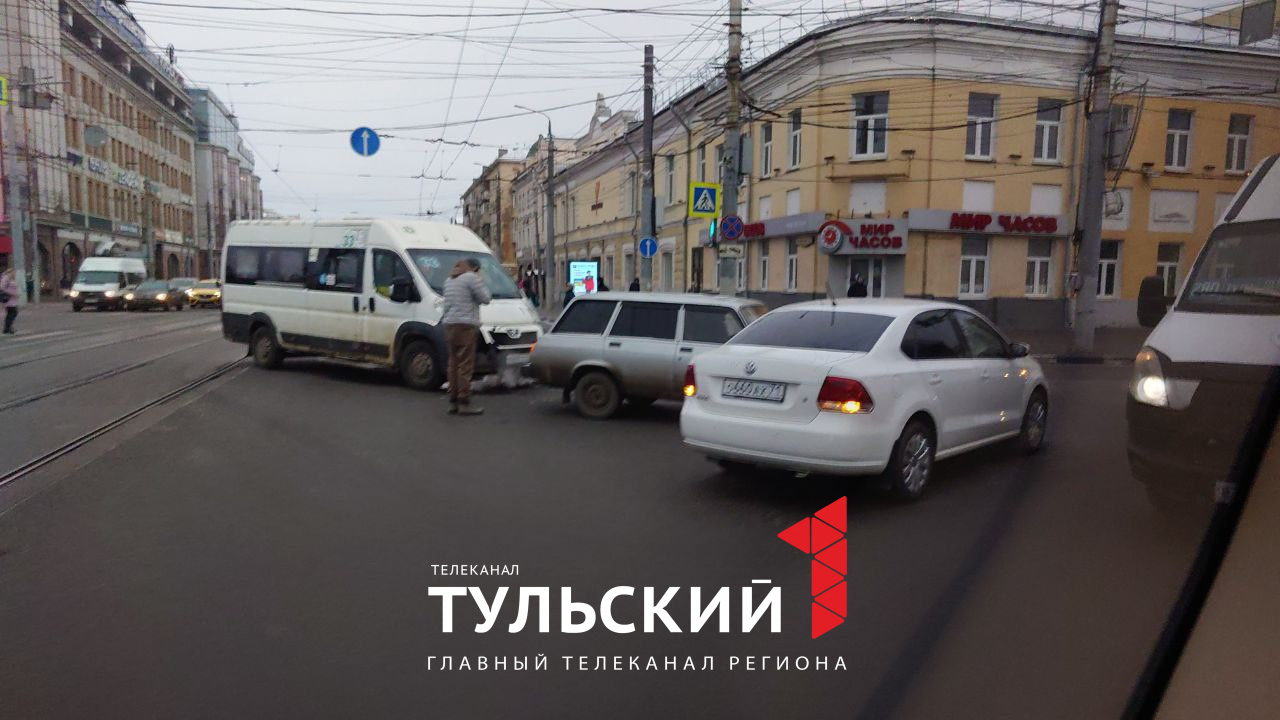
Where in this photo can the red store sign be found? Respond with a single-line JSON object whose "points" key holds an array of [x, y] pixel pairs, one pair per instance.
{"points": [[987, 223], [863, 237]]}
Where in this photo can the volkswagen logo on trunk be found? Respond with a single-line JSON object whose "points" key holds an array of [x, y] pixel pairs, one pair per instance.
{"points": [[750, 368]]}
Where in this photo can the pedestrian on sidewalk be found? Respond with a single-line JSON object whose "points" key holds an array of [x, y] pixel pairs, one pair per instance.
{"points": [[635, 285], [8, 296], [857, 286], [569, 294], [464, 293]]}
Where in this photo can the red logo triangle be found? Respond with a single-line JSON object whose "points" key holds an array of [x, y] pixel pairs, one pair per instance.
{"points": [[836, 514], [823, 577], [824, 620], [823, 535], [836, 599], [797, 535], [836, 557]]}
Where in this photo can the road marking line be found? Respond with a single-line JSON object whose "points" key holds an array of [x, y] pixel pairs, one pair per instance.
{"points": [[54, 333]]}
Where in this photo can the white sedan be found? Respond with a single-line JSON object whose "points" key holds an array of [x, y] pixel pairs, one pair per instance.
{"points": [[860, 387]]}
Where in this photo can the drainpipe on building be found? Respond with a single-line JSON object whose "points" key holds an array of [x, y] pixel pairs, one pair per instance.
{"points": [[684, 219]]}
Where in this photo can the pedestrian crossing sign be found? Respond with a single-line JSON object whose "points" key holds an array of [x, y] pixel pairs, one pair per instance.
{"points": [[704, 200]]}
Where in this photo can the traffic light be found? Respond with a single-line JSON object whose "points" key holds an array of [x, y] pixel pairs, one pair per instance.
{"points": [[712, 227]]}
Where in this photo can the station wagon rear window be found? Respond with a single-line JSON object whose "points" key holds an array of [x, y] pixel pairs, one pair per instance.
{"points": [[586, 316], [815, 329]]}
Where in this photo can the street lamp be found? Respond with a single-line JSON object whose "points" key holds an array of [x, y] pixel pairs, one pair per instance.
{"points": [[549, 286]]}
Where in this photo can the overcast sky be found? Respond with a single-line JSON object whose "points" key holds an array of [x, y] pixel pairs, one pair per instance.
{"points": [[421, 70]]}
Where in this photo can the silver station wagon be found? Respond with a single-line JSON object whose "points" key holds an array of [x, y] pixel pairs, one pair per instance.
{"points": [[611, 346]]}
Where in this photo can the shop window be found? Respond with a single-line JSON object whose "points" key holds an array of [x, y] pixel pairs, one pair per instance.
{"points": [[793, 264], [973, 266], [1039, 255]]}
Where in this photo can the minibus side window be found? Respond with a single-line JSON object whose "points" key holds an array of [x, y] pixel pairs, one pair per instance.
{"points": [[337, 270], [243, 265]]}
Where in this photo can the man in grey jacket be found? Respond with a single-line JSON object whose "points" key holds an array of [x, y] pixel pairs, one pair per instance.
{"points": [[464, 293]]}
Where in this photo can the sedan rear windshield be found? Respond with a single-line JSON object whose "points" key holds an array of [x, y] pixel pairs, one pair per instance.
{"points": [[816, 330], [153, 285]]}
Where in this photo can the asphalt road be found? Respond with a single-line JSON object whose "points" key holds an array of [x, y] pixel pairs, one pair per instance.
{"points": [[263, 548]]}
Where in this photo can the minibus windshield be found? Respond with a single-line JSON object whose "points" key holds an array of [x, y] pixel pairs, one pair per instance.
{"points": [[99, 277], [435, 266], [1238, 271]]}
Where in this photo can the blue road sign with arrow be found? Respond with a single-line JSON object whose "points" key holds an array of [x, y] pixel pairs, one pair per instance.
{"points": [[648, 247], [365, 141]]}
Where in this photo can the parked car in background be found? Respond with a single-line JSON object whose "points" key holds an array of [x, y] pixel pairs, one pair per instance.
{"points": [[862, 387], [611, 346], [154, 294], [102, 282], [206, 293]]}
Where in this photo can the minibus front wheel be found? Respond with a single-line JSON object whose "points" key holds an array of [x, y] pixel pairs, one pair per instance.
{"points": [[421, 367]]}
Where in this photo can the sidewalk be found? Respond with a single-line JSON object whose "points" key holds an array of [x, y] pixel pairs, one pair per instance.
{"points": [[1110, 344]]}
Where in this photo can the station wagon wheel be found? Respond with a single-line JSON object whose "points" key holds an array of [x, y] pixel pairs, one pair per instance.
{"points": [[911, 465], [266, 351], [420, 367], [1034, 421], [597, 395]]}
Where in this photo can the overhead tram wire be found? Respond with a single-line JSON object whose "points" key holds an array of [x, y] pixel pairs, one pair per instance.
{"points": [[428, 161], [471, 131]]}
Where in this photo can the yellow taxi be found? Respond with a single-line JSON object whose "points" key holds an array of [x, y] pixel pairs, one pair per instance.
{"points": [[205, 293]]}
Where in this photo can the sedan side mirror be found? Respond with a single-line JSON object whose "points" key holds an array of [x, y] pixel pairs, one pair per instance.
{"points": [[402, 290], [1019, 349], [1152, 304]]}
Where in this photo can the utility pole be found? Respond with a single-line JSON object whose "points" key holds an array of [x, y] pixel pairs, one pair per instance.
{"points": [[1097, 120], [727, 266], [551, 292], [649, 215], [12, 194]]}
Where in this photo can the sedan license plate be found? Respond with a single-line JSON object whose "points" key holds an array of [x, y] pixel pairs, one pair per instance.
{"points": [[753, 390]]}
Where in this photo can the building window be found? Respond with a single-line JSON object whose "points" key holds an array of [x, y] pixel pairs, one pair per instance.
{"points": [[766, 208], [793, 202], [762, 266], [702, 163], [1168, 256], [973, 266], [667, 272], [1108, 269], [628, 269], [793, 264], [870, 125], [980, 126], [766, 150], [1177, 143], [740, 273], [793, 159], [1238, 143], [1039, 253], [671, 179], [1048, 129]]}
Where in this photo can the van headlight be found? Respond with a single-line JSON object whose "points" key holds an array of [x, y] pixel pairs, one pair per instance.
{"points": [[1149, 385], [74, 294], [109, 293], [127, 296]]}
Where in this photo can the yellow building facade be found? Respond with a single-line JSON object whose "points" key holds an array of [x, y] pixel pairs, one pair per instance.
{"points": [[962, 137]]}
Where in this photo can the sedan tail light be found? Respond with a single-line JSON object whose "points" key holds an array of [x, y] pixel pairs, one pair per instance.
{"points": [[690, 384], [844, 396]]}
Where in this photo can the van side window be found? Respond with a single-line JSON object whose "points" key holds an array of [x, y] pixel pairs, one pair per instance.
{"points": [[586, 316], [387, 267], [709, 324], [284, 265], [337, 270], [242, 265], [646, 320]]}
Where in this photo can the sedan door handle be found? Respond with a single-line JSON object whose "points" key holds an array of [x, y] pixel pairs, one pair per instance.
{"points": [[935, 379], [686, 349], [615, 343]]}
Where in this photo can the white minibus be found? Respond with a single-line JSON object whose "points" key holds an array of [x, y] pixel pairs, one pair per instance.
{"points": [[102, 282], [365, 290], [1199, 381]]}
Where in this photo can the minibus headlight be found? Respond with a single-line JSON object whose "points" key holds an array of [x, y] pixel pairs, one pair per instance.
{"points": [[110, 293], [74, 294], [1150, 386]]}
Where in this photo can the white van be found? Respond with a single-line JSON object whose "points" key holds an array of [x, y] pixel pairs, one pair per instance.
{"points": [[102, 282], [1198, 382], [364, 290]]}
